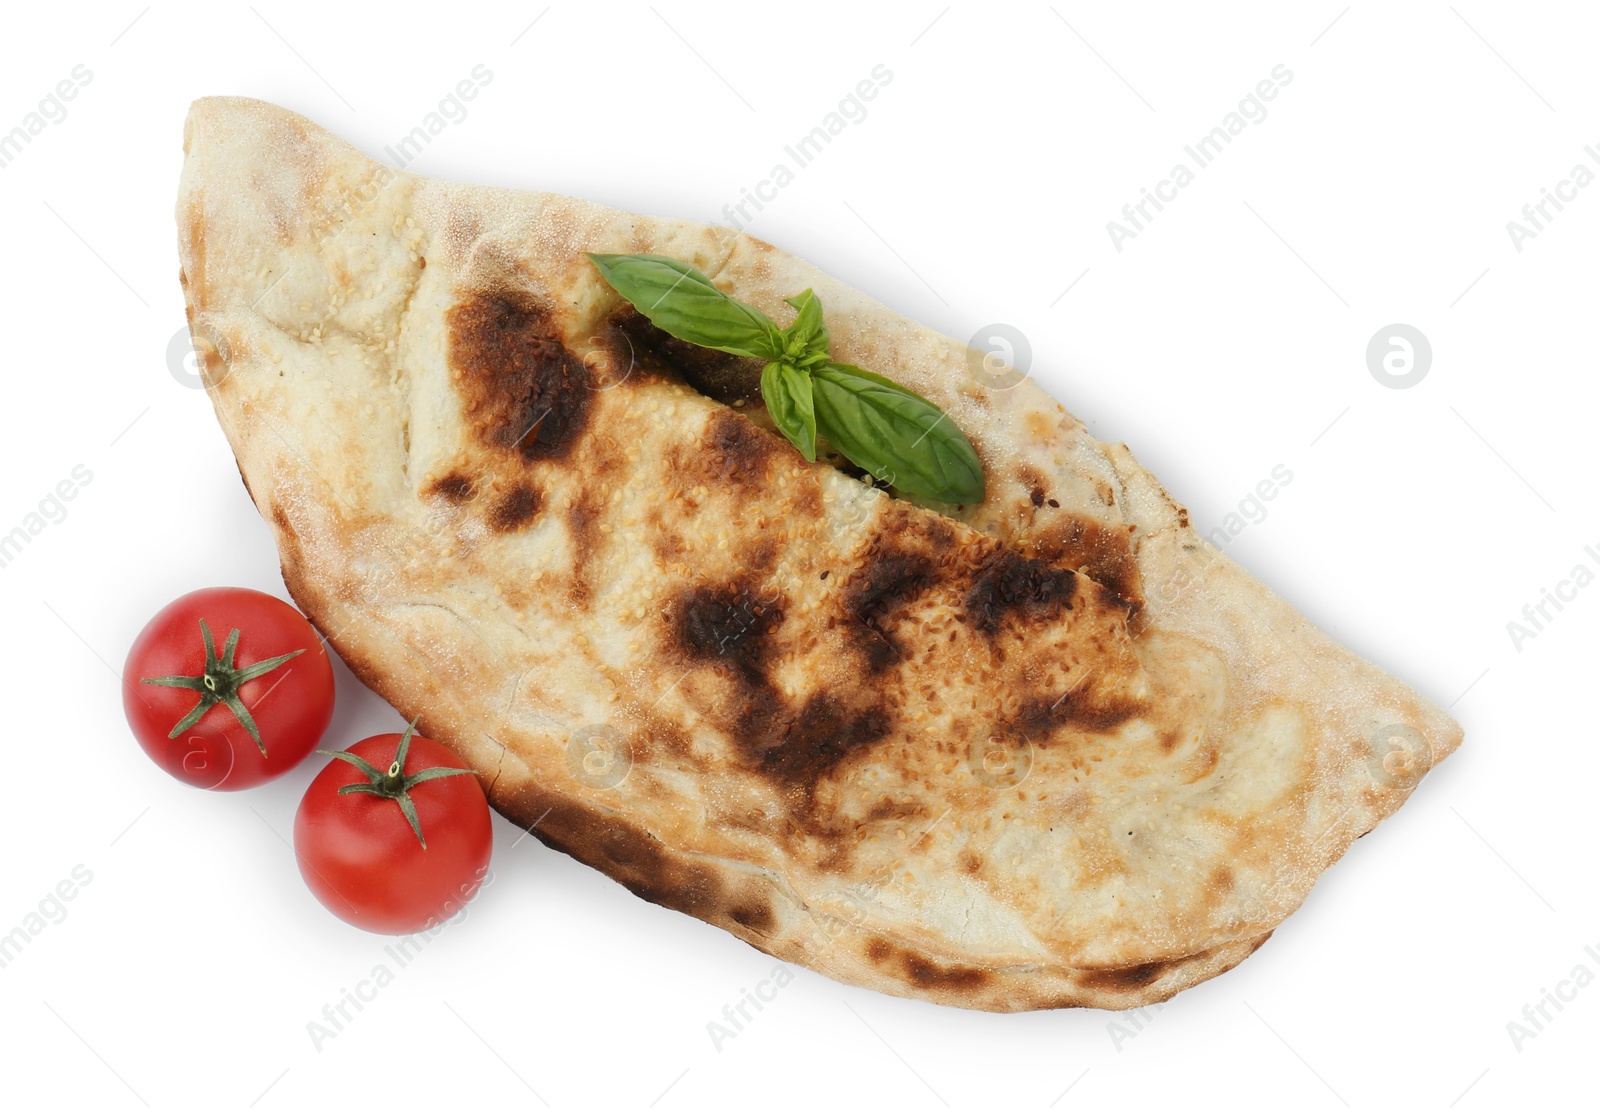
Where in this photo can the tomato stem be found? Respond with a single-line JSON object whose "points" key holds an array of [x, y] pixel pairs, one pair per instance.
{"points": [[219, 684], [391, 783]]}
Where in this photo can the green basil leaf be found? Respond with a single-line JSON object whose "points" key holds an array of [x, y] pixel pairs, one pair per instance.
{"points": [[808, 336], [787, 392], [677, 298], [895, 434]]}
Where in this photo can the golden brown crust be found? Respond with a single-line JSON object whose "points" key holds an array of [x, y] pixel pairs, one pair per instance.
{"points": [[1049, 750]]}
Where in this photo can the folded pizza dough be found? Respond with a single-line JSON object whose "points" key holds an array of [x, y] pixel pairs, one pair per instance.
{"points": [[1051, 750]]}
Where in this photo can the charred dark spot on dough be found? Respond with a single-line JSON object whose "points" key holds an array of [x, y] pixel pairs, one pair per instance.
{"points": [[939, 532], [1105, 553], [794, 747], [1108, 599], [666, 540], [455, 487], [1124, 979], [1008, 586], [631, 856], [1103, 716], [1037, 496], [515, 509], [525, 392], [583, 524], [820, 738], [1202, 762], [760, 558], [954, 977], [720, 375], [726, 622], [888, 809], [885, 584], [924, 971], [660, 737], [755, 915], [1087, 707], [281, 520], [733, 448], [888, 581]]}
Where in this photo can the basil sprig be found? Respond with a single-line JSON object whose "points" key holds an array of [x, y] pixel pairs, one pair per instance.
{"points": [[889, 430]]}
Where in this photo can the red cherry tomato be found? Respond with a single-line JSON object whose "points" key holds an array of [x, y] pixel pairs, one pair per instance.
{"points": [[407, 848], [227, 688]]}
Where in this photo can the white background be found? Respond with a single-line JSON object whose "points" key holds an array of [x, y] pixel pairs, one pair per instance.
{"points": [[1226, 338]]}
